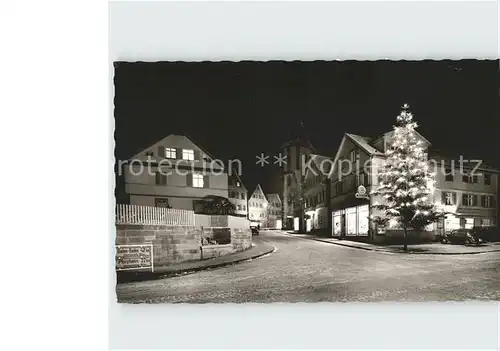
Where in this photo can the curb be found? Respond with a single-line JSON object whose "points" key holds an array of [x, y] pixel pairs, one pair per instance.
{"points": [[396, 252], [141, 276]]}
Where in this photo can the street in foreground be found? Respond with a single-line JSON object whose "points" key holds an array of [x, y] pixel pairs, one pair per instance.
{"points": [[302, 270]]}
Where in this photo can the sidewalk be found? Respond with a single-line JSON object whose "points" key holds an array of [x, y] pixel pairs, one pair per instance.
{"points": [[429, 248], [259, 248]]}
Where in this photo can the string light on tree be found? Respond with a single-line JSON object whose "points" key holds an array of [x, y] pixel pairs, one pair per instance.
{"points": [[404, 180]]}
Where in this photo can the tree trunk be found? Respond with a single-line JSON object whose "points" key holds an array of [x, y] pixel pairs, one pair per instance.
{"points": [[405, 239]]}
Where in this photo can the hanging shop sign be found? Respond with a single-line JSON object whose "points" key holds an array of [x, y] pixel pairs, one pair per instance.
{"points": [[361, 194]]}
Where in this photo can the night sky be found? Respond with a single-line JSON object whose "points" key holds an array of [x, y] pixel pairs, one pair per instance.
{"points": [[238, 110]]}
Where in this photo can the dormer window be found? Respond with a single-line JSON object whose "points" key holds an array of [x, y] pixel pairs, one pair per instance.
{"points": [[170, 152], [188, 154]]}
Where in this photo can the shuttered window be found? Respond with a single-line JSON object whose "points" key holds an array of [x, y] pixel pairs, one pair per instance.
{"points": [[160, 179], [170, 152]]}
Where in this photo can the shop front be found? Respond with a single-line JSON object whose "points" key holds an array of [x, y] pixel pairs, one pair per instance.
{"points": [[351, 221]]}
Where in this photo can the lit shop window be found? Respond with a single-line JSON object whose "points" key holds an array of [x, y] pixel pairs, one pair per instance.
{"points": [[486, 222], [351, 220], [469, 223], [337, 220], [363, 219]]}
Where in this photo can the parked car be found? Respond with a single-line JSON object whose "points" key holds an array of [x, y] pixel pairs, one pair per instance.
{"points": [[487, 233], [255, 227], [462, 236]]}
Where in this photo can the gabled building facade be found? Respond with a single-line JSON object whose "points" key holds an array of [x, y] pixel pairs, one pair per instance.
{"points": [[469, 200], [274, 211], [238, 195], [317, 193], [355, 173], [257, 206], [179, 174], [468, 192]]}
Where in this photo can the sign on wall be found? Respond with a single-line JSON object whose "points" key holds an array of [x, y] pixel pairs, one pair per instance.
{"points": [[134, 257], [361, 194]]}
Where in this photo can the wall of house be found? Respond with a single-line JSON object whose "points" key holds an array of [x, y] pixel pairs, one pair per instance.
{"points": [[459, 184], [257, 206], [358, 166], [317, 218], [178, 142], [143, 189], [274, 211], [140, 179], [182, 203], [238, 196]]}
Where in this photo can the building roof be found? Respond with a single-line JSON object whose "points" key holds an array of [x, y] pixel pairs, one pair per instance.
{"points": [[273, 197], [258, 187], [364, 143], [161, 140], [236, 177]]}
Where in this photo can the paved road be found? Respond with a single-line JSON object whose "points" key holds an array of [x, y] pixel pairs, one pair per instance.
{"points": [[302, 270]]}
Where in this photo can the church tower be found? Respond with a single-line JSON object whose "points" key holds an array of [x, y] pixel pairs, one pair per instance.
{"points": [[296, 149]]}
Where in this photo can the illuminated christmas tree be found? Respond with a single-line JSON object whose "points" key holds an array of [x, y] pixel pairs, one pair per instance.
{"points": [[405, 183]]}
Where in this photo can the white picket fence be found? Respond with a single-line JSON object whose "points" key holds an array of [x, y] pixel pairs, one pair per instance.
{"points": [[148, 215]]}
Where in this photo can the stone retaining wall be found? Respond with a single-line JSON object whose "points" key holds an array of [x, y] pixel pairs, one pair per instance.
{"points": [[175, 244]]}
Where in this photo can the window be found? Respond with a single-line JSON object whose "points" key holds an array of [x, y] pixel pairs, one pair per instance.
{"points": [[486, 222], [362, 179], [238, 184], [486, 201], [469, 223], [149, 154], [351, 221], [337, 222], [353, 156], [160, 179], [170, 152], [363, 221], [188, 154], [448, 199], [244, 207], [260, 205], [448, 175], [242, 196], [487, 179], [161, 202], [339, 187], [469, 178], [469, 200], [198, 180], [239, 207]]}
